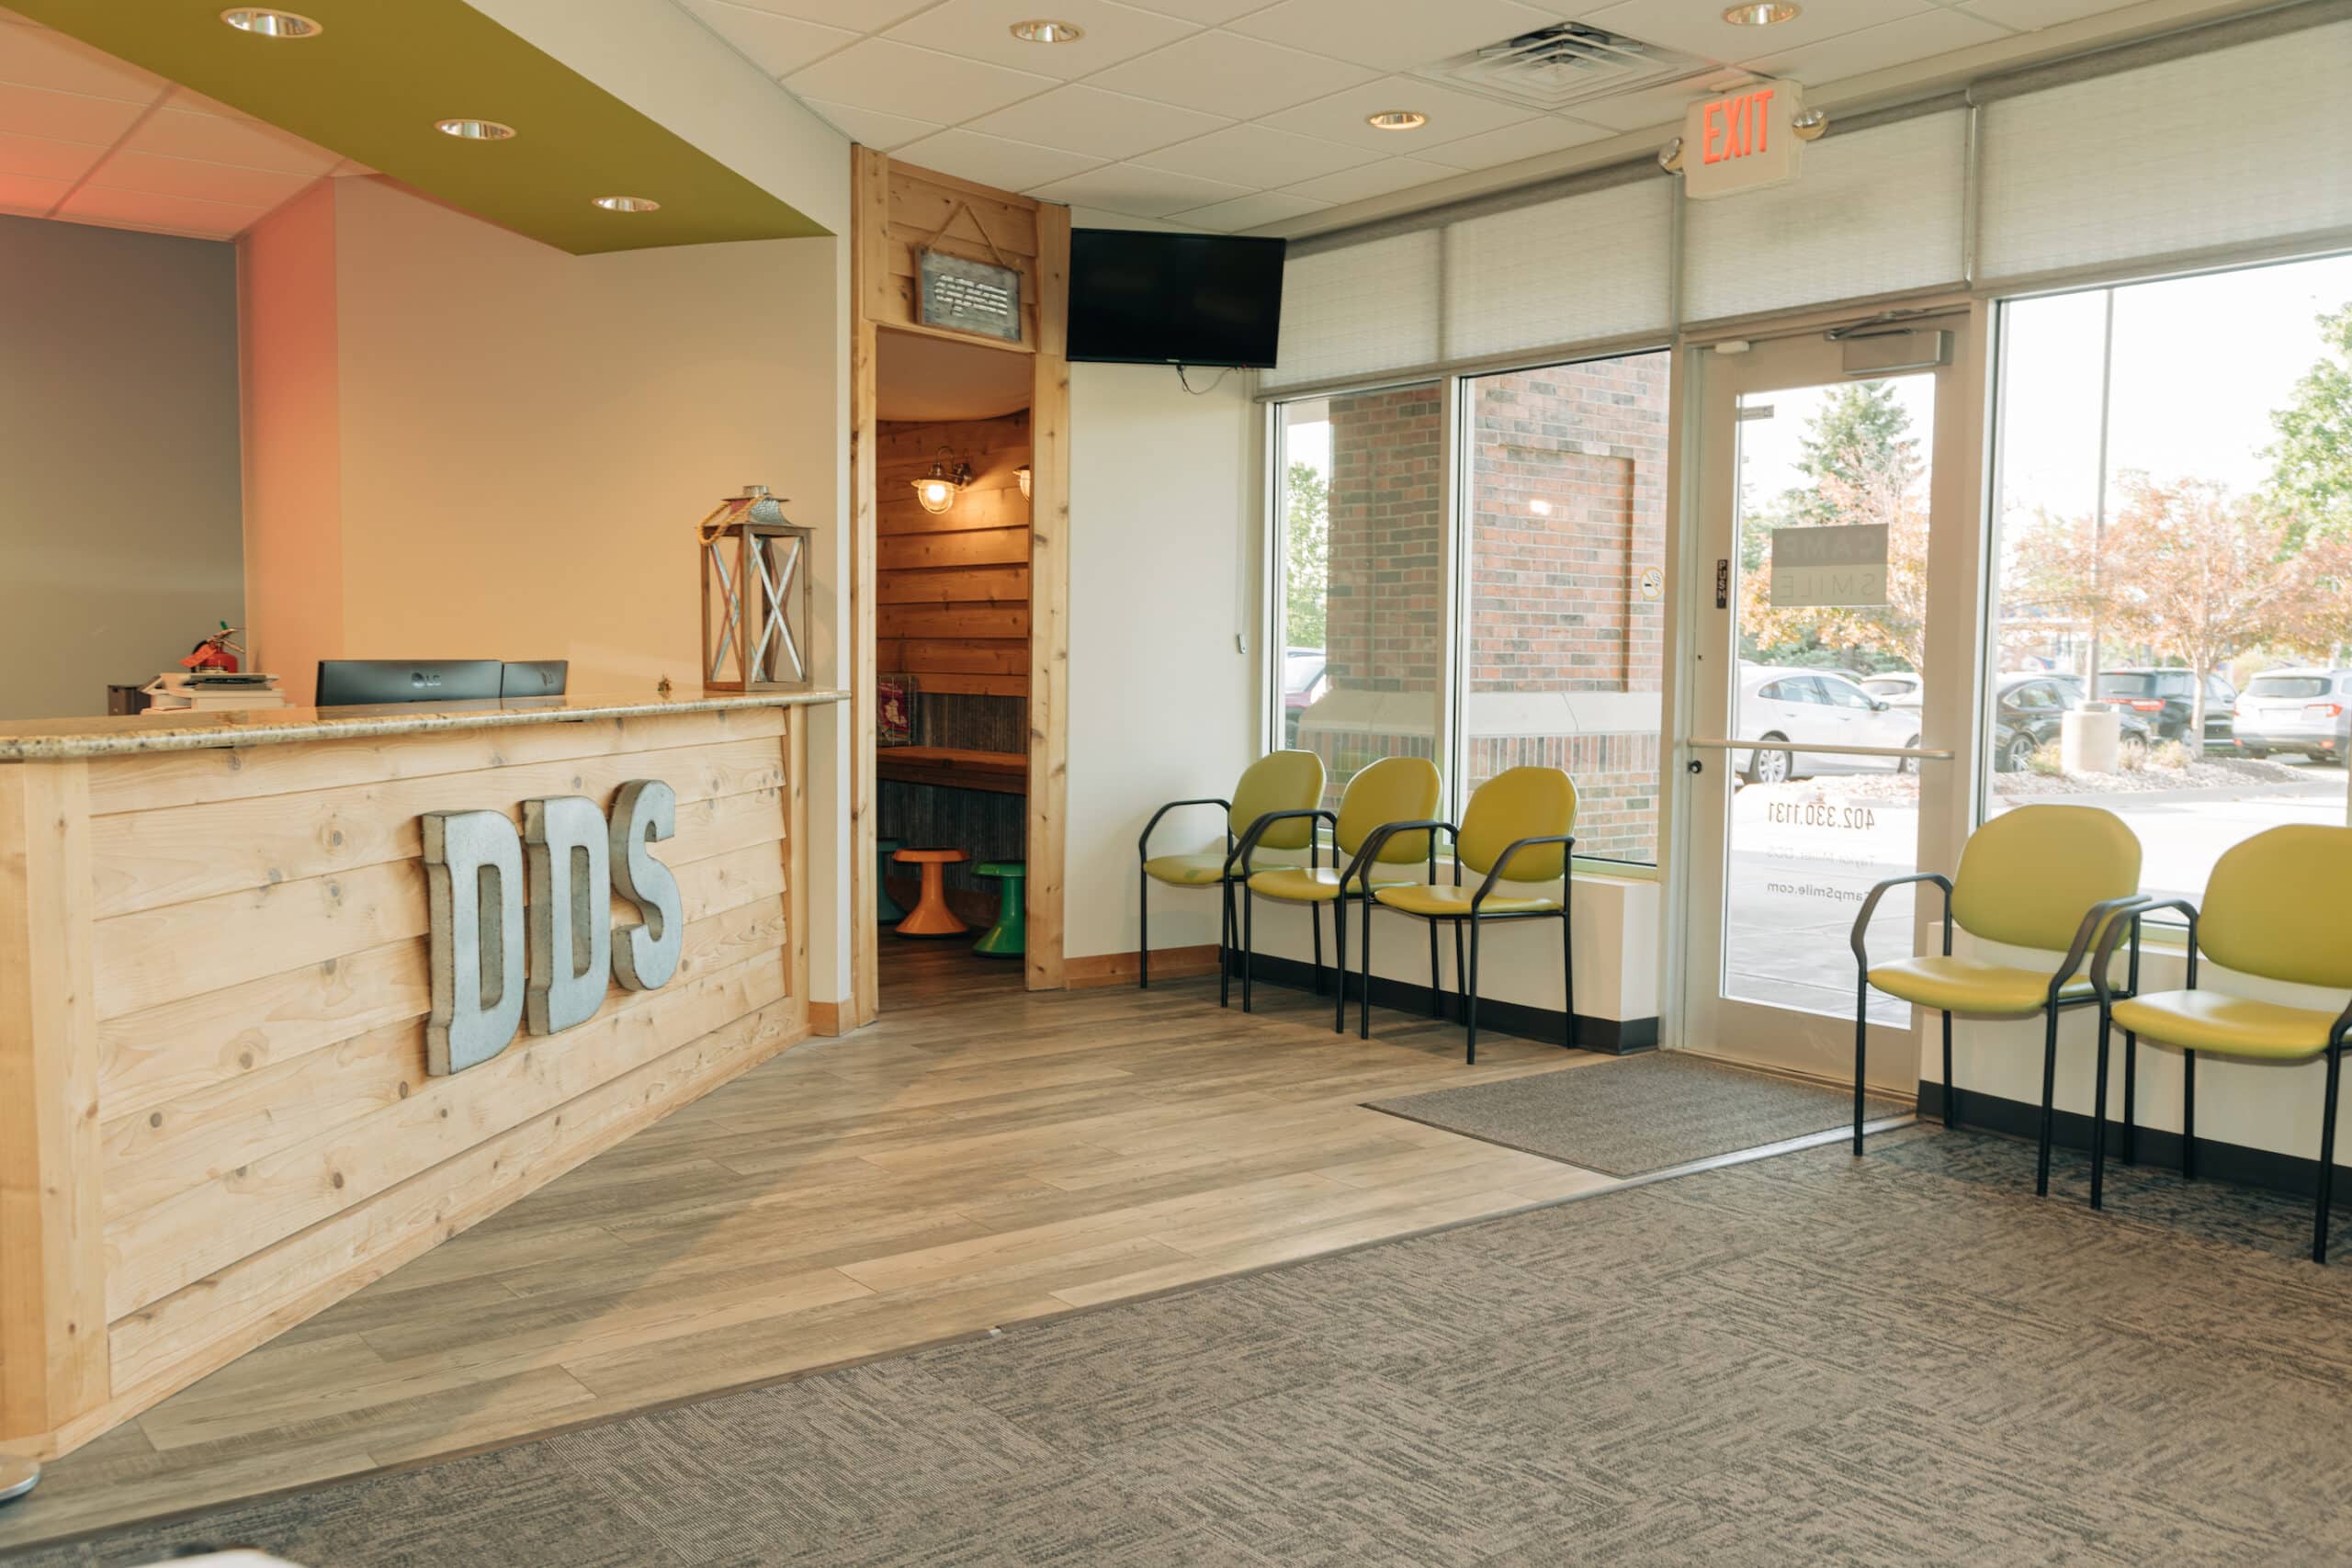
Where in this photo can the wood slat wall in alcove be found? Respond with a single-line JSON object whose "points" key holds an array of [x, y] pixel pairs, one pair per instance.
{"points": [[951, 588]]}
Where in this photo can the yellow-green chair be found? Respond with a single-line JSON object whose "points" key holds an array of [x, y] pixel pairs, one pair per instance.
{"points": [[2275, 909], [1520, 822], [1281, 781], [1394, 789], [2041, 876]]}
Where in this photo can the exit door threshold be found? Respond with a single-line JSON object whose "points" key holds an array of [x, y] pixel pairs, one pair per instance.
{"points": [[1761, 1151]]}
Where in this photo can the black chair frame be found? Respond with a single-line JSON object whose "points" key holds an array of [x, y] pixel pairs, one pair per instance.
{"points": [[2096, 918], [1225, 891], [2332, 1052], [1466, 976]]}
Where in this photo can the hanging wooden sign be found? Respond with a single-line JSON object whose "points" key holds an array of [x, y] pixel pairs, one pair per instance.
{"points": [[964, 294]]}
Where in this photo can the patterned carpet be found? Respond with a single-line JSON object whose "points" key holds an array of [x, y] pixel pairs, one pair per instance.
{"points": [[1800, 1359], [1639, 1114]]}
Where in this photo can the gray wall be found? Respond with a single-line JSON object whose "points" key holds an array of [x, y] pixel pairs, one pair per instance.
{"points": [[122, 518]]}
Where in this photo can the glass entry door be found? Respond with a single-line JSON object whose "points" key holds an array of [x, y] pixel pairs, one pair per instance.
{"points": [[1829, 677]]}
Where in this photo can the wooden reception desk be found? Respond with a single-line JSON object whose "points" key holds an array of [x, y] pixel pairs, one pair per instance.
{"points": [[216, 1112]]}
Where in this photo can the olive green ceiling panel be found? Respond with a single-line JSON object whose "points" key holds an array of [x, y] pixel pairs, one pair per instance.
{"points": [[372, 82]]}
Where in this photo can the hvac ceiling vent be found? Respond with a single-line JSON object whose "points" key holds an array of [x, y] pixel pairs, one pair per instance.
{"points": [[1555, 67]]}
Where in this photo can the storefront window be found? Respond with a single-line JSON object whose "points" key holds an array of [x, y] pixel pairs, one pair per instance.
{"points": [[2175, 544]]}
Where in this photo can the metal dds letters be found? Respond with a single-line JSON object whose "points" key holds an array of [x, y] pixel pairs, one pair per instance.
{"points": [[475, 882]]}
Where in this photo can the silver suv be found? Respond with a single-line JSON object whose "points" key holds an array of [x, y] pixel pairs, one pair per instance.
{"points": [[2305, 711]]}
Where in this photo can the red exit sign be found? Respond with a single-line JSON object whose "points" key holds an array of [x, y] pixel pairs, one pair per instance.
{"points": [[1741, 140]]}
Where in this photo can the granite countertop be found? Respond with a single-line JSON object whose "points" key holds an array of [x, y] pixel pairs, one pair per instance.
{"points": [[65, 739]]}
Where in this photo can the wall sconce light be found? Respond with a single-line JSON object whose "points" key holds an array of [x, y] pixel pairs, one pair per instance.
{"points": [[938, 488], [1023, 471]]}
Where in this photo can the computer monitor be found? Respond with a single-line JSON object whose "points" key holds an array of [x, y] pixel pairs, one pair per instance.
{"points": [[351, 683], [534, 677]]}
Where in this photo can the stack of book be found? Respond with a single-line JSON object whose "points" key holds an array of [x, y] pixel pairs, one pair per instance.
{"points": [[206, 691]]}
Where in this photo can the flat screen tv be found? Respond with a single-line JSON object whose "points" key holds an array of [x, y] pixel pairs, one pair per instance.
{"points": [[1152, 298]]}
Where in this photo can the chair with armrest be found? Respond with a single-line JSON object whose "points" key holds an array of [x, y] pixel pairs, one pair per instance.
{"points": [[2275, 909], [1519, 824], [2052, 877], [1391, 790], [1281, 781]]}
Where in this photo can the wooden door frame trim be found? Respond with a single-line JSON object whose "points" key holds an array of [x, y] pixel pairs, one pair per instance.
{"points": [[870, 316]]}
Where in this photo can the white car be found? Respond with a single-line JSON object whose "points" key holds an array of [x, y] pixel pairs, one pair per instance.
{"points": [[1898, 688], [1818, 706]]}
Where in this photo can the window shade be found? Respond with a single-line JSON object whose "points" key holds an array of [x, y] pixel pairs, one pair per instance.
{"points": [[1585, 268], [1359, 309], [1875, 211], [2228, 147]]}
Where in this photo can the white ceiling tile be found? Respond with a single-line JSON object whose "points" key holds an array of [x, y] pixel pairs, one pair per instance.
{"points": [[1697, 27], [159, 175], [1208, 13], [919, 84], [1874, 48], [1138, 191], [1103, 218], [872, 128], [69, 116], [857, 15], [1256, 155], [249, 145], [47, 158], [993, 159], [1249, 211], [777, 45], [40, 58], [1658, 106], [1383, 178], [139, 209], [1392, 36], [1341, 117], [28, 193], [982, 29], [2031, 16], [1220, 72], [1088, 120], [1529, 138]]}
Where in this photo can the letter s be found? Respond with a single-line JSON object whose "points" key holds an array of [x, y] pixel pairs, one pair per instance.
{"points": [[645, 955]]}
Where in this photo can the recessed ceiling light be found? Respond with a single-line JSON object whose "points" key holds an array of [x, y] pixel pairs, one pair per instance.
{"points": [[1762, 14], [474, 129], [1042, 31], [263, 23], [1396, 120], [628, 203]]}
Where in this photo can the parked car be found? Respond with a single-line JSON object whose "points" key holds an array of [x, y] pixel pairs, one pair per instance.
{"points": [[1305, 679], [2167, 699], [1820, 707], [2305, 711], [1901, 689], [2031, 707]]}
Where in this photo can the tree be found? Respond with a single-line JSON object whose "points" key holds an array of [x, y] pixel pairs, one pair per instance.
{"points": [[2200, 577], [1307, 556], [1865, 467], [2310, 463]]}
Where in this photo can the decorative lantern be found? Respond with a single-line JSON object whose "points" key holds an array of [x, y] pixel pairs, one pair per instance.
{"points": [[755, 597]]}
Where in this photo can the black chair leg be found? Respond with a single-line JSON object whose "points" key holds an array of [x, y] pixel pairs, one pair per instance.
{"points": [[1470, 996], [1437, 985], [1861, 1046], [1225, 945], [1365, 1000], [1142, 933], [2189, 1115], [2099, 1116], [1340, 961], [2326, 1155], [2049, 1101], [1952, 1095], [1568, 978], [1315, 914], [1461, 975], [1249, 943], [2131, 1088]]}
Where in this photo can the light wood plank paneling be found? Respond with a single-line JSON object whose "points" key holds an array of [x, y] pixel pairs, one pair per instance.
{"points": [[956, 655], [52, 1268], [994, 621], [1049, 605], [998, 585], [983, 546]]}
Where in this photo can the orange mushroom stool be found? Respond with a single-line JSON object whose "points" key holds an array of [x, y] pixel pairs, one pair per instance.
{"points": [[931, 916]]}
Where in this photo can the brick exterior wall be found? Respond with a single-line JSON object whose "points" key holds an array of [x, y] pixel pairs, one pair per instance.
{"points": [[1568, 492]]}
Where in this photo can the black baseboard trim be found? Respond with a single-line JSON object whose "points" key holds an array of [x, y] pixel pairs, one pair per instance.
{"points": [[2072, 1130], [1617, 1037]]}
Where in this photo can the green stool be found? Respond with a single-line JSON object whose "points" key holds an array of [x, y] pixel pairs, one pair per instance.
{"points": [[1003, 940], [886, 912]]}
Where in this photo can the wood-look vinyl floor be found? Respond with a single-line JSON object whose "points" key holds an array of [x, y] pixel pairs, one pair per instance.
{"points": [[981, 1155]]}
